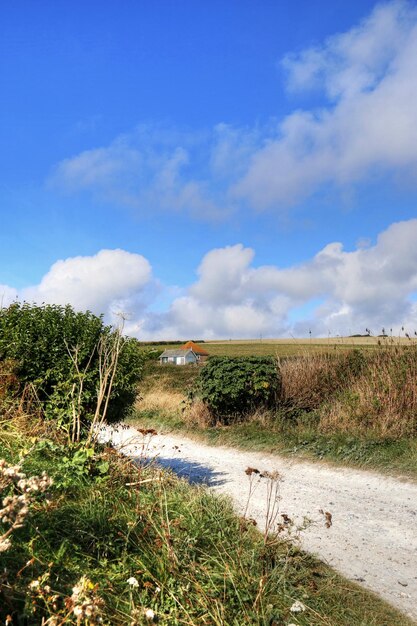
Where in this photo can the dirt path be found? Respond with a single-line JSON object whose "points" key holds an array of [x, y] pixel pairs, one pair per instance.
{"points": [[373, 537]]}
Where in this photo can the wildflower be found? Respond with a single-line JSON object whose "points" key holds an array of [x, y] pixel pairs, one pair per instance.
{"points": [[84, 601], [297, 607], [149, 615], [34, 585], [5, 545], [133, 582], [275, 475]]}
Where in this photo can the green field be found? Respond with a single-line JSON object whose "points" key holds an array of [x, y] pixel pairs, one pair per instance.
{"points": [[284, 347]]}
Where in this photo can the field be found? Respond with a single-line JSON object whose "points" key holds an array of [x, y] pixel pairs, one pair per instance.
{"points": [[286, 347]]}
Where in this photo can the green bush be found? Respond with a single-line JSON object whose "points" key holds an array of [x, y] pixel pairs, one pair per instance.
{"points": [[234, 386], [45, 340]]}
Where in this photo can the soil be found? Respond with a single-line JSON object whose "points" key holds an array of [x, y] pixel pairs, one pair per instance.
{"points": [[370, 535]]}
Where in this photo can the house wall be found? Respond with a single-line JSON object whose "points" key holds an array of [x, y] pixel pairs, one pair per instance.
{"points": [[178, 360]]}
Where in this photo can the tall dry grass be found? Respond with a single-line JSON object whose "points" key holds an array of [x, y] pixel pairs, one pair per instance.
{"points": [[381, 400], [165, 388], [161, 399], [358, 392], [310, 379]]}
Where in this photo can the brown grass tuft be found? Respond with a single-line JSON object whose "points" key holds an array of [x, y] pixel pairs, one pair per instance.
{"points": [[382, 400], [197, 414], [309, 380], [160, 399]]}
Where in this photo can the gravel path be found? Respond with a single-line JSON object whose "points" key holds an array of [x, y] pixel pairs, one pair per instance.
{"points": [[373, 536]]}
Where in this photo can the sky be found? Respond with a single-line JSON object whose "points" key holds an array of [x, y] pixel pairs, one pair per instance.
{"points": [[212, 168]]}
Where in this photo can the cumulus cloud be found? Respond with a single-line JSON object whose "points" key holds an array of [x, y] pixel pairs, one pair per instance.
{"points": [[365, 128], [93, 282], [109, 282], [367, 125], [337, 291], [369, 287], [7, 295]]}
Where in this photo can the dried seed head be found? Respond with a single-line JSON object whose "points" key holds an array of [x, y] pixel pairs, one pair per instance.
{"points": [[251, 470]]}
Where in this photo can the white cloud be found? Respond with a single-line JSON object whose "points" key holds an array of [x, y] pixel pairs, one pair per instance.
{"points": [[367, 288], [108, 282], [150, 169], [7, 295], [339, 291], [366, 128], [369, 126]]}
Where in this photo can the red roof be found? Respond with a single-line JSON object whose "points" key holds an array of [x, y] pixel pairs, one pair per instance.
{"points": [[190, 345]]}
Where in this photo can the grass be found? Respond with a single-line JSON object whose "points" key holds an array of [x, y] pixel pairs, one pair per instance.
{"points": [[392, 457], [282, 347], [169, 377], [190, 559]]}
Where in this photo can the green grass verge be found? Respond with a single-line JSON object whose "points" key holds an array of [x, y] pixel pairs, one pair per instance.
{"points": [[394, 457], [195, 562]]}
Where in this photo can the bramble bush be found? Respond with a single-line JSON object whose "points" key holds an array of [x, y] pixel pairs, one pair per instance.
{"points": [[235, 386], [58, 351]]}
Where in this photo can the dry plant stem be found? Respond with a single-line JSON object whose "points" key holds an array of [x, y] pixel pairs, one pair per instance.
{"points": [[109, 351], [114, 358], [272, 502], [254, 480], [76, 402]]}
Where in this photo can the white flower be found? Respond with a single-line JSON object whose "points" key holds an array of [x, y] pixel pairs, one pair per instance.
{"points": [[133, 582], [5, 545], [297, 607], [149, 615], [34, 584]]}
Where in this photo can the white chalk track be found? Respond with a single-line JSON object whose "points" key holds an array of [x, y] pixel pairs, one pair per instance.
{"points": [[373, 536]]}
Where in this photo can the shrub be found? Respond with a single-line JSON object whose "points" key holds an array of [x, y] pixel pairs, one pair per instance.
{"points": [[232, 387], [9, 383], [58, 351]]}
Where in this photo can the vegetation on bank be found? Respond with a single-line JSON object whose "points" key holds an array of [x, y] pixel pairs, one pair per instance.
{"points": [[352, 406], [87, 537], [78, 370], [116, 543], [232, 388]]}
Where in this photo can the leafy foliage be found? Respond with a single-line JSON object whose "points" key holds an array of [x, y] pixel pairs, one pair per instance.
{"points": [[236, 386], [46, 341]]}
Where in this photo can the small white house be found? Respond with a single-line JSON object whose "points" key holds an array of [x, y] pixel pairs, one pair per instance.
{"points": [[178, 357]]}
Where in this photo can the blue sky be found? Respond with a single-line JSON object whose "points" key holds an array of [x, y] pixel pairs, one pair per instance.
{"points": [[212, 169]]}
